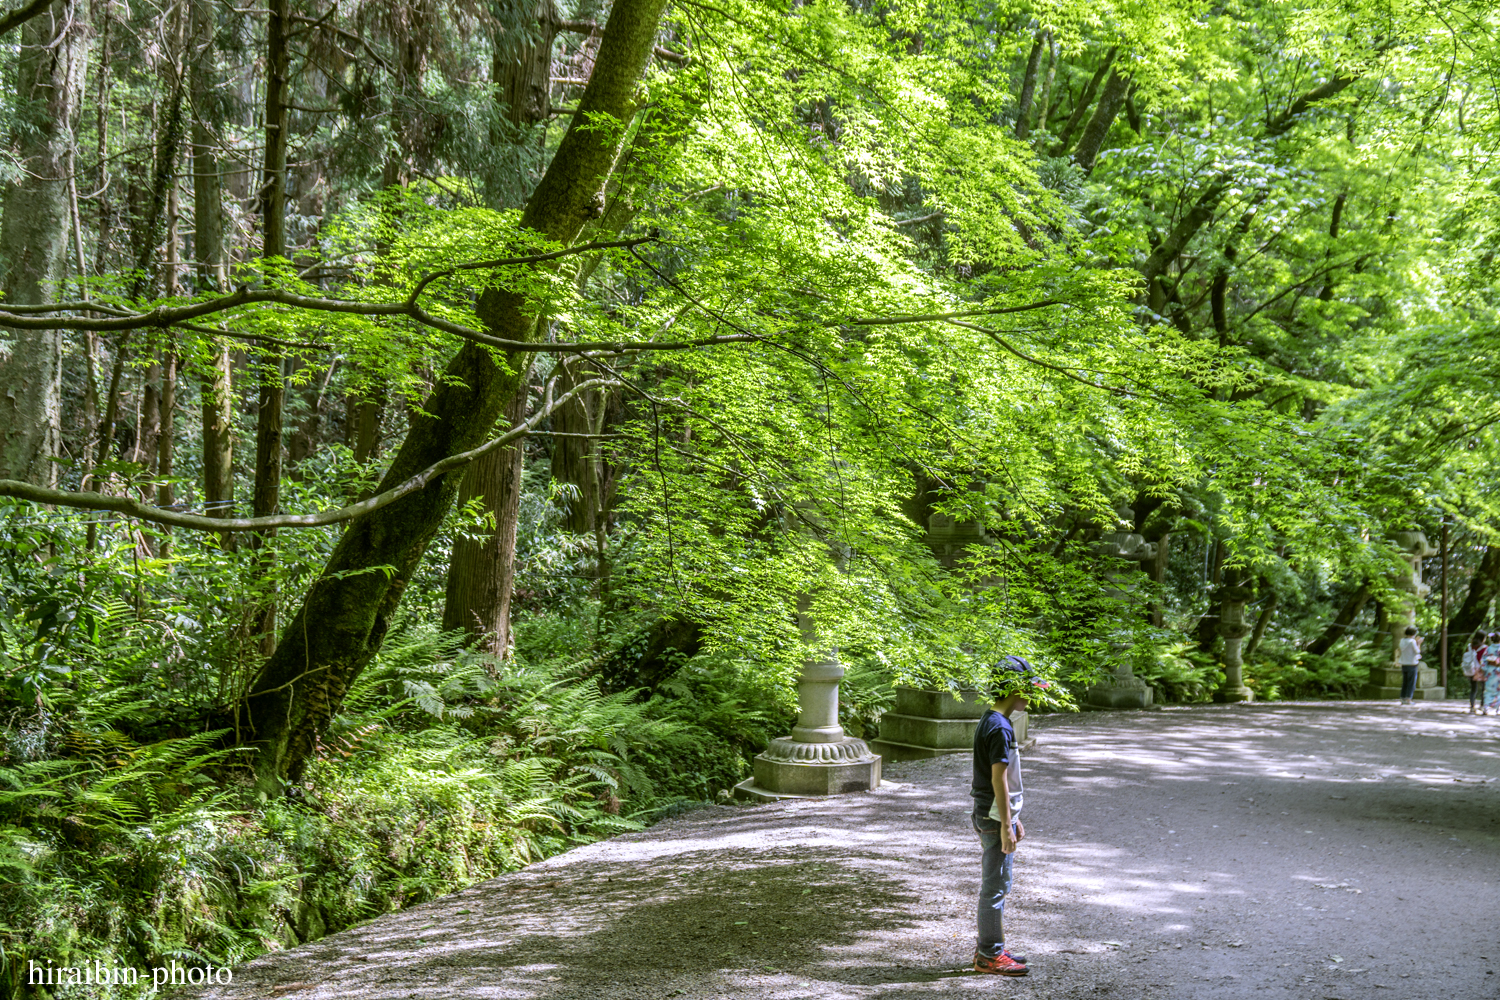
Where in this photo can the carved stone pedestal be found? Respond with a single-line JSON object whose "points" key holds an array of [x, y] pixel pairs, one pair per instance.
{"points": [[817, 759]]}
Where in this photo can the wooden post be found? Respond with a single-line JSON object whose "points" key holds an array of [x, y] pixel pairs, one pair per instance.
{"points": [[1443, 636]]}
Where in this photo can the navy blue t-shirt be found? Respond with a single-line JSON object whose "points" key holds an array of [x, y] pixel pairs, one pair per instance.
{"points": [[994, 740]]}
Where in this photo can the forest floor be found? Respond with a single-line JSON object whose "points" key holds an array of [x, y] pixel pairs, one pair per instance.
{"points": [[1329, 850]]}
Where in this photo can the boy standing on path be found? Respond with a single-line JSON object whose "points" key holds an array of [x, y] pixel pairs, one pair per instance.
{"points": [[996, 790]]}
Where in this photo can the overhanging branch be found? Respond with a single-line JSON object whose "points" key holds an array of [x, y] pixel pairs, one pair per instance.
{"points": [[199, 522]]}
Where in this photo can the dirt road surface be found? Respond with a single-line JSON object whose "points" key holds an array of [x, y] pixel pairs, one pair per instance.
{"points": [[1331, 850]]}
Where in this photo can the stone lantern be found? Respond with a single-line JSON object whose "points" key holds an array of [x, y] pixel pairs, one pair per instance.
{"points": [[1385, 681], [1122, 689], [817, 758]]}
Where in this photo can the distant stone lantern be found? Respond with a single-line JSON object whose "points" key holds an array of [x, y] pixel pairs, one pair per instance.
{"points": [[1385, 681], [1122, 689]]}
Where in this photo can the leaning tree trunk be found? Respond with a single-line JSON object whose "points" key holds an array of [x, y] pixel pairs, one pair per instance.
{"points": [[34, 237], [1483, 586], [346, 612], [1110, 102], [1339, 627]]}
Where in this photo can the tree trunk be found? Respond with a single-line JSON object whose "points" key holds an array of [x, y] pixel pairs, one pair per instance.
{"points": [[1483, 586], [217, 391], [164, 444], [1260, 624], [1092, 140], [351, 603], [1339, 627], [1045, 107], [481, 578], [575, 453], [1085, 101], [149, 429], [218, 436], [266, 496], [482, 574], [1028, 90], [34, 236], [208, 181]]}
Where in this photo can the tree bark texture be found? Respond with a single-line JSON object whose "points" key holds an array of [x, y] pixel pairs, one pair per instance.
{"points": [[218, 435], [1045, 107], [1110, 102], [481, 578], [1483, 586], [208, 182], [34, 237], [269, 415], [1085, 101], [482, 574], [345, 613], [1339, 627], [1028, 90]]}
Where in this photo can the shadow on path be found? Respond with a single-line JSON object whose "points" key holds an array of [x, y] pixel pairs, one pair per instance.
{"points": [[1335, 850]]}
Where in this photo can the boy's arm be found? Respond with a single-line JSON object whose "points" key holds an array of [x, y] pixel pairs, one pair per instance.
{"points": [[1002, 802]]}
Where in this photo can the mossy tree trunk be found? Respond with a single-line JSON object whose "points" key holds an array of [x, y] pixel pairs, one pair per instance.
{"points": [[34, 236], [346, 612]]}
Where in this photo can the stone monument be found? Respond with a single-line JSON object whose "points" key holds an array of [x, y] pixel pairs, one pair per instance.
{"points": [[932, 723], [817, 758], [1122, 689], [948, 537], [1385, 681]]}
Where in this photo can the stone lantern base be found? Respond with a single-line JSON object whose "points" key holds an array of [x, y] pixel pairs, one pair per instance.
{"points": [[932, 723], [789, 769], [1385, 683]]}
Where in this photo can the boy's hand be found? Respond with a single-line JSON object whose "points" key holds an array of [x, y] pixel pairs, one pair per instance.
{"points": [[1020, 832], [1007, 841]]}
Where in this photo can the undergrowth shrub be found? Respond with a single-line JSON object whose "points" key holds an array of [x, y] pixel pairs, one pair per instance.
{"points": [[1281, 671], [1177, 672]]}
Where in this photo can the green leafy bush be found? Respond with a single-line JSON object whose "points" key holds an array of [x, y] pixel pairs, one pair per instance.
{"points": [[1280, 671], [1177, 672]]}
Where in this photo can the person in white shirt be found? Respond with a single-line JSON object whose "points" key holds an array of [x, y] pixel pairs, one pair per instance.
{"points": [[1411, 656]]}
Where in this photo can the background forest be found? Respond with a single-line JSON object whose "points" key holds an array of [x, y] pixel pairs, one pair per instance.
{"points": [[423, 418]]}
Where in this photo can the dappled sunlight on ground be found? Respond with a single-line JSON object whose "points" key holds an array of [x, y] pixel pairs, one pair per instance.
{"points": [[1331, 850]]}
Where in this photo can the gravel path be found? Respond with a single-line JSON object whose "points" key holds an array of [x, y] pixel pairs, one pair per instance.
{"points": [[1345, 850]]}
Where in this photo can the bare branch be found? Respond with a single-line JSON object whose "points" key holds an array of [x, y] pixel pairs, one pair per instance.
{"points": [[198, 522]]}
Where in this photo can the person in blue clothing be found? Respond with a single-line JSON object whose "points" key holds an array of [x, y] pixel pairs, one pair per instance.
{"points": [[996, 789]]}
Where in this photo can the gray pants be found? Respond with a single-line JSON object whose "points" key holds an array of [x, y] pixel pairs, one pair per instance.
{"points": [[994, 886]]}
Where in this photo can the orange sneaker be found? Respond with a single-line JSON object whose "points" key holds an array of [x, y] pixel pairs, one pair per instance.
{"points": [[1001, 965]]}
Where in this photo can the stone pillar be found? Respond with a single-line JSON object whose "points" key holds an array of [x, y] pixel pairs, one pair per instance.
{"points": [[1233, 628], [1385, 681], [1122, 689], [817, 758]]}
